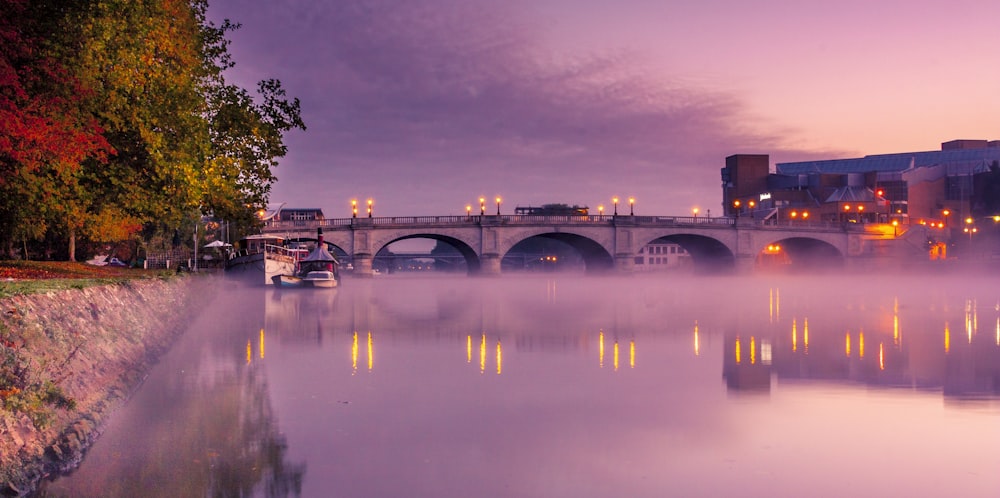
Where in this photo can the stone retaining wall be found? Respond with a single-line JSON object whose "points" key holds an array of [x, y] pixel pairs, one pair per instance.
{"points": [[96, 345]]}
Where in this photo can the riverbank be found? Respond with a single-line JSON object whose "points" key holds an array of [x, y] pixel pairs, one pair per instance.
{"points": [[71, 357]]}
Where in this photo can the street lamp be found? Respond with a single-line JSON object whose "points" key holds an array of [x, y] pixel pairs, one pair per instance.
{"points": [[370, 202], [354, 208], [614, 200], [482, 206], [631, 206], [468, 211], [736, 207], [694, 211], [600, 211], [498, 205], [895, 228]]}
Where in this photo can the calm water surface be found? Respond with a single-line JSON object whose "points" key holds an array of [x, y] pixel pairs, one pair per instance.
{"points": [[568, 386]]}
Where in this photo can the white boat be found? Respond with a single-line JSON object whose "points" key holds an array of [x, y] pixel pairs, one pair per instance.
{"points": [[318, 269], [261, 257], [320, 278]]}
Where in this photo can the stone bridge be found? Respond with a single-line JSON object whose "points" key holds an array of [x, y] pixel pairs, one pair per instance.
{"points": [[611, 243]]}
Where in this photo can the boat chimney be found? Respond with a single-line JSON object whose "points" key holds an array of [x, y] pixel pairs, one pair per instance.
{"points": [[319, 236]]}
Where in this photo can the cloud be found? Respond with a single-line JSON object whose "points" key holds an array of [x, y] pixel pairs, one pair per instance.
{"points": [[462, 96]]}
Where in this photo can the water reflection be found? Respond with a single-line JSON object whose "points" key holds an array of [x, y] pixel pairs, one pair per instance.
{"points": [[524, 387], [202, 424]]}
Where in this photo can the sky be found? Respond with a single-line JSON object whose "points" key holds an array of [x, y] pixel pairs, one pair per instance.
{"points": [[426, 106]]}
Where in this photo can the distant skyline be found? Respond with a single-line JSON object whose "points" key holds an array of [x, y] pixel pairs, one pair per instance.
{"points": [[424, 106]]}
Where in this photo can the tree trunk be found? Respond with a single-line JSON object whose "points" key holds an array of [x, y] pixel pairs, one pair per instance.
{"points": [[72, 244]]}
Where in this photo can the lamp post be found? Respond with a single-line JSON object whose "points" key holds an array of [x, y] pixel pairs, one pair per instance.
{"points": [[370, 202], [468, 211], [614, 200], [694, 211], [354, 208], [482, 206], [600, 211], [736, 207], [498, 205], [895, 228], [631, 206]]}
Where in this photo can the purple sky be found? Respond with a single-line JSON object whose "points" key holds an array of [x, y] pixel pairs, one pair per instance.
{"points": [[425, 106]]}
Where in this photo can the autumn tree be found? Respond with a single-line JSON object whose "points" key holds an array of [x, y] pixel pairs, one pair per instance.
{"points": [[136, 123]]}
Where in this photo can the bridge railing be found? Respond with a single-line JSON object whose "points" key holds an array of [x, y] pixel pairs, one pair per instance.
{"points": [[517, 219]]}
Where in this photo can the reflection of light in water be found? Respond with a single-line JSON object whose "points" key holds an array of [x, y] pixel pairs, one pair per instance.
{"points": [[775, 305], [354, 353], [881, 356], [795, 337], [262, 343], [697, 340], [895, 321], [482, 355], [947, 338], [616, 354], [861, 344], [847, 344], [753, 350], [600, 349], [499, 357], [249, 353], [738, 356], [805, 335], [631, 354], [371, 351], [970, 318], [765, 352], [468, 350], [998, 331]]}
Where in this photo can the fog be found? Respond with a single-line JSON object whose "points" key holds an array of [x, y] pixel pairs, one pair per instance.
{"points": [[553, 384]]}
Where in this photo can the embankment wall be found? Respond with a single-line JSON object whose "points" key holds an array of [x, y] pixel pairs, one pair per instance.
{"points": [[95, 346]]}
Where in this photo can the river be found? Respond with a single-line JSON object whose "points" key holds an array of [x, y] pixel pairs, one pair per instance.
{"points": [[568, 386]]}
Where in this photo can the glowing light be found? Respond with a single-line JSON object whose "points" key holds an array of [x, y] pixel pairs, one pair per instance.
{"points": [[468, 349], [697, 340], [805, 335], [738, 355], [795, 338], [861, 344], [847, 344], [499, 357], [881, 356], [753, 351], [482, 355], [895, 321], [947, 338], [616, 355], [262, 344], [600, 349], [371, 352], [805, 214], [249, 353], [631, 354]]}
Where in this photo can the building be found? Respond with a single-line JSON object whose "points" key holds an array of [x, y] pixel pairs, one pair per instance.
{"points": [[300, 214], [959, 182], [658, 256]]}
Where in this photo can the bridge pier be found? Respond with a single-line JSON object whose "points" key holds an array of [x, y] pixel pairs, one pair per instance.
{"points": [[489, 264], [363, 265], [744, 264], [624, 263]]}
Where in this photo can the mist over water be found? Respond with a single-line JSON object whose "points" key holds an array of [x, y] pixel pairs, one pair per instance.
{"points": [[559, 385]]}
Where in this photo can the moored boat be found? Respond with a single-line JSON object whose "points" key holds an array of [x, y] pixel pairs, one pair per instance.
{"points": [[318, 269], [261, 257]]}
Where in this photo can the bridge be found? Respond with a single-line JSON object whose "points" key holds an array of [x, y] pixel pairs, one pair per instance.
{"points": [[611, 243]]}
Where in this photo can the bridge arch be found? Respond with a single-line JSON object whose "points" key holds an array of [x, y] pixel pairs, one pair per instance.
{"points": [[472, 259], [799, 252], [594, 248], [708, 253]]}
